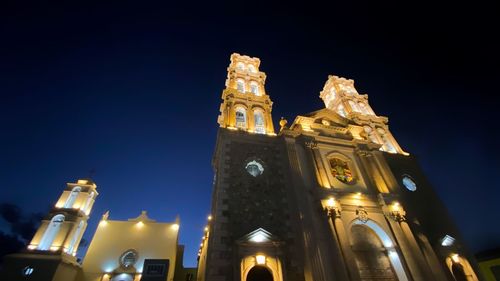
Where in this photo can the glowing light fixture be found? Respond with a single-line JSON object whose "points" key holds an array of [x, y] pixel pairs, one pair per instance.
{"points": [[455, 258], [260, 259], [103, 223], [330, 202], [175, 226], [140, 224], [258, 238], [209, 217], [31, 247], [447, 241], [206, 228]]}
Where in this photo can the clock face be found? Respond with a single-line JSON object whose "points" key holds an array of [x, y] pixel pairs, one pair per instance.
{"points": [[409, 183]]}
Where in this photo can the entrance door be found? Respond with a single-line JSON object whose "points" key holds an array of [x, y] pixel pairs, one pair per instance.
{"points": [[259, 273]]}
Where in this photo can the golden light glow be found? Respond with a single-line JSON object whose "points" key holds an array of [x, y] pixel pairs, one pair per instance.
{"points": [[201, 244], [396, 206], [260, 259], [206, 228], [139, 224], [103, 223], [455, 258], [175, 226], [31, 247], [232, 128], [209, 217], [330, 202], [54, 248]]}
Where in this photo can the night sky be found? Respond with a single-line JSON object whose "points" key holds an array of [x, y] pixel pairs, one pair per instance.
{"points": [[132, 92]]}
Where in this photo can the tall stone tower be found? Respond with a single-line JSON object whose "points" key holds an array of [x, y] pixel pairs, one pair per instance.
{"points": [[51, 253], [332, 197]]}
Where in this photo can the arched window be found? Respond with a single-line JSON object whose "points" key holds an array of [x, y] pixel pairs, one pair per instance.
{"points": [[87, 202], [240, 66], [251, 68], [364, 109], [340, 170], [341, 110], [75, 238], [259, 122], [240, 85], [72, 197], [353, 105], [254, 88], [51, 232], [241, 118]]}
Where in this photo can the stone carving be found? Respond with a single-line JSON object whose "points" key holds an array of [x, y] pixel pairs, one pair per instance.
{"points": [[362, 214], [311, 144]]}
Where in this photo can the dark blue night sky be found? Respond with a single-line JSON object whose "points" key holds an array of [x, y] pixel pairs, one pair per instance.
{"points": [[132, 91]]}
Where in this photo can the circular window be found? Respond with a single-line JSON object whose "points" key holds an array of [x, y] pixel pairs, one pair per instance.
{"points": [[254, 168], [128, 258], [409, 183]]}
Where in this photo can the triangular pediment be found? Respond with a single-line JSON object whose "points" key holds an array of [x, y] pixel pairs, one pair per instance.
{"points": [[259, 235], [328, 115]]}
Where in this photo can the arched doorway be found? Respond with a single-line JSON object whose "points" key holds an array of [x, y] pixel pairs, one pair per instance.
{"points": [[458, 272], [259, 273], [370, 255]]}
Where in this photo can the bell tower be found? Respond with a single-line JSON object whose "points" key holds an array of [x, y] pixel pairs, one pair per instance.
{"points": [[51, 253], [246, 105], [63, 228], [341, 97]]}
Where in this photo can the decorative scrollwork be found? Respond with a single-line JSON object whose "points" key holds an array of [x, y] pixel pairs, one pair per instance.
{"points": [[311, 144]]}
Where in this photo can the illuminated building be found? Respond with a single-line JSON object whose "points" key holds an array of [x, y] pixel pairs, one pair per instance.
{"points": [[333, 196], [131, 250], [51, 253]]}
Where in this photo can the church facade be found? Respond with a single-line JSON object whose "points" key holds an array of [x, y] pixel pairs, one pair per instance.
{"points": [[331, 196]]}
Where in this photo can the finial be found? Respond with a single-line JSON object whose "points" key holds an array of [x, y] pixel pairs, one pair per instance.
{"points": [[283, 123], [105, 216]]}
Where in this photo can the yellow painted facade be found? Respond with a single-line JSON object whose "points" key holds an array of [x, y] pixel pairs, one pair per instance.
{"points": [[146, 237], [487, 266]]}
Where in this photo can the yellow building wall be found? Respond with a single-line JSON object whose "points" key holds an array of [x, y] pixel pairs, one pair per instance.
{"points": [[485, 267], [151, 240]]}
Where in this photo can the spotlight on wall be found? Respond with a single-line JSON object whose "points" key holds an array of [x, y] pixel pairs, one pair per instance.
{"points": [[260, 259]]}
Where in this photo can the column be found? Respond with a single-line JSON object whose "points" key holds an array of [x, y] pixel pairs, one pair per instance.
{"points": [[318, 164], [405, 248], [340, 266], [348, 262]]}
